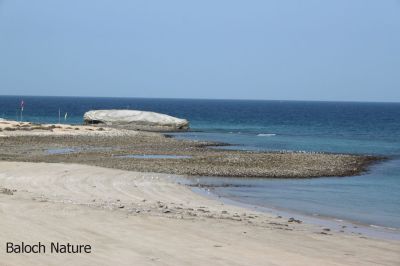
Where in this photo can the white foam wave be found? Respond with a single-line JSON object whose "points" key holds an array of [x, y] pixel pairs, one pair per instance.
{"points": [[383, 227], [266, 135]]}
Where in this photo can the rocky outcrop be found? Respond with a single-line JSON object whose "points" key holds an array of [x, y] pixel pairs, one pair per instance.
{"points": [[134, 119]]}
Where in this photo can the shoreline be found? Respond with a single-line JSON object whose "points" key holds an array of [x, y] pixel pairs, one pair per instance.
{"points": [[65, 133], [142, 217], [351, 226], [335, 223]]}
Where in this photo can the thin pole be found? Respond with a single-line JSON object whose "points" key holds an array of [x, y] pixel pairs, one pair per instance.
{"points": [[59, 115], [22, 109]]}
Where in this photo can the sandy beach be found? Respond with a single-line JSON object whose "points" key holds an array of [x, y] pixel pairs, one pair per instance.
{"points": [[132, 218]]}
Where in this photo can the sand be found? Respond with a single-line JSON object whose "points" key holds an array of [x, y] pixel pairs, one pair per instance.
{"points": [[14, 128], [132, 218]]}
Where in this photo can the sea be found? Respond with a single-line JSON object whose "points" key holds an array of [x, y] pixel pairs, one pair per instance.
{"points": [[371, 199]]}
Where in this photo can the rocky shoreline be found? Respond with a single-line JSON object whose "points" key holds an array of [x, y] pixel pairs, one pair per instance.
{"points": [[117, 148]]}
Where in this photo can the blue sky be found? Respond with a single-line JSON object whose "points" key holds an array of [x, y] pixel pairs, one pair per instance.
{"points": [[278, 49]]}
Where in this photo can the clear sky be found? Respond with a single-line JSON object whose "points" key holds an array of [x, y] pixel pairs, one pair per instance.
{"points": [[236, 49]]}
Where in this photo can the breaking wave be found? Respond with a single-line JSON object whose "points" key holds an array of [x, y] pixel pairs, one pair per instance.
{"points": [[266, 135]]}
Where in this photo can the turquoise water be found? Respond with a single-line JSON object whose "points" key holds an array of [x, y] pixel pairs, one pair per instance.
{"points": [[370, 199], [154, 156], [339, 127]]}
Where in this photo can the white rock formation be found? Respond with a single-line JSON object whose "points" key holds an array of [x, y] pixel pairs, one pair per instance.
{"points": [[134, 119]]}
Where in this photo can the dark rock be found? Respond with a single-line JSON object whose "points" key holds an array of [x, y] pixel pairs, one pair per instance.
{"points": [[293, 220]]}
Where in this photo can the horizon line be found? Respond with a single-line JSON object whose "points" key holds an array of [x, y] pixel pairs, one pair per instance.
{"points": [[184, 98]]}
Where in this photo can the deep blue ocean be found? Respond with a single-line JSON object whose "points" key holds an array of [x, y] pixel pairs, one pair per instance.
{"points": [[339, 127]]}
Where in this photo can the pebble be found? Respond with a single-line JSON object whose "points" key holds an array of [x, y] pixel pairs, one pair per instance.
{"points": [[249, 164], [291, 220], [6, 191]]}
